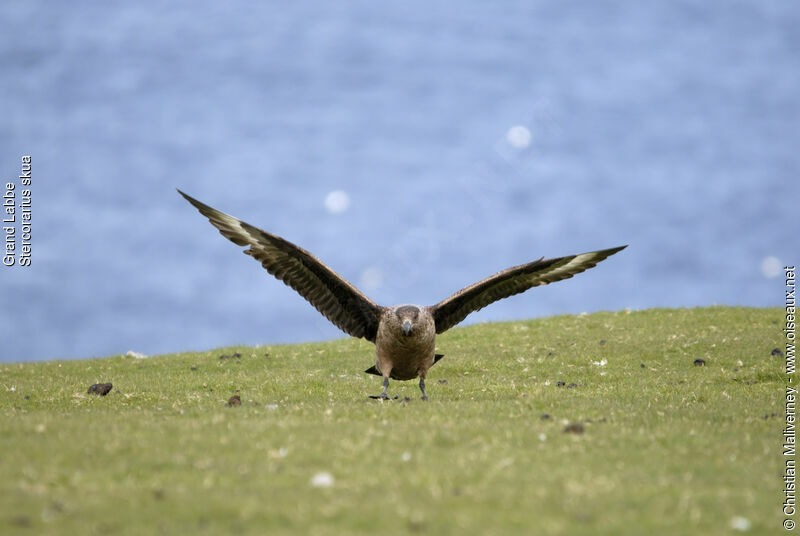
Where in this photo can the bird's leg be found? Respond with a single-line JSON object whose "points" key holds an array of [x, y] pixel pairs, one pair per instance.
{"points": [[422, 388], [383, 395], [385, 387]]}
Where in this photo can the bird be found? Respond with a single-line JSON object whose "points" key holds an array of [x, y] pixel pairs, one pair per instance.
{"points": [[404, 335]]}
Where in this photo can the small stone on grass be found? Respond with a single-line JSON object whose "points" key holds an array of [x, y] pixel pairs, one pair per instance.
{"points": [[740, 523], [322, 480], [101, 389], [574, 428]]}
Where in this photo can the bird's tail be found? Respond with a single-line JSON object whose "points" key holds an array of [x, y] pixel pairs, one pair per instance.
{"points": [[374, 370]]}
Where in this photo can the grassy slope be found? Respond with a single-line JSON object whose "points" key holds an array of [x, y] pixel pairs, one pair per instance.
{"points": [[668, 448]]}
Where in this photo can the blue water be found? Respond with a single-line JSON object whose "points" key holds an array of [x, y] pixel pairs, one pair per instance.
{"points": [[669, 126]]}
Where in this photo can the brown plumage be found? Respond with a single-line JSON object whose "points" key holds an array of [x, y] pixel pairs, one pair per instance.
{"points": [[404, 335]]}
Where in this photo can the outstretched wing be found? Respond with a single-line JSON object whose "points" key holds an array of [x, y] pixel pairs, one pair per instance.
{"points": [[339, 301], [454, 309]]}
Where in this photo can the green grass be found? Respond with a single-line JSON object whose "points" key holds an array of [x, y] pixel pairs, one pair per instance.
{"points": [[668, 448]]}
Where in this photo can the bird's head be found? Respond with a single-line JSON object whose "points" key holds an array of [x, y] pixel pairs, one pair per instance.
{"points": [[407, 316]]}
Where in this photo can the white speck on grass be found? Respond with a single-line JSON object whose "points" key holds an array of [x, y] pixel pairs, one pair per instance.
{"points": [[406, 456], [136, 355], [322, 480], [771, 267], [272, 406], [502, 464], [337, 202], [740, 523], [518, 137], [542, 437], [602, 363]]}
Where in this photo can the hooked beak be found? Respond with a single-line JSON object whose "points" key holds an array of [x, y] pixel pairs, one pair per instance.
{"points": [[406, 327]]}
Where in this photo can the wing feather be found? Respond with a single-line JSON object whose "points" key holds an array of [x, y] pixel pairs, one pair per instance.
{"points": [[337, 300], [454, 309]]}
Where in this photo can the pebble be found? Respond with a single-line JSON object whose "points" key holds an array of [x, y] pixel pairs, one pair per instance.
{"points": [[101, 389], [740, 523], [574, 428], [322, 480]]}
